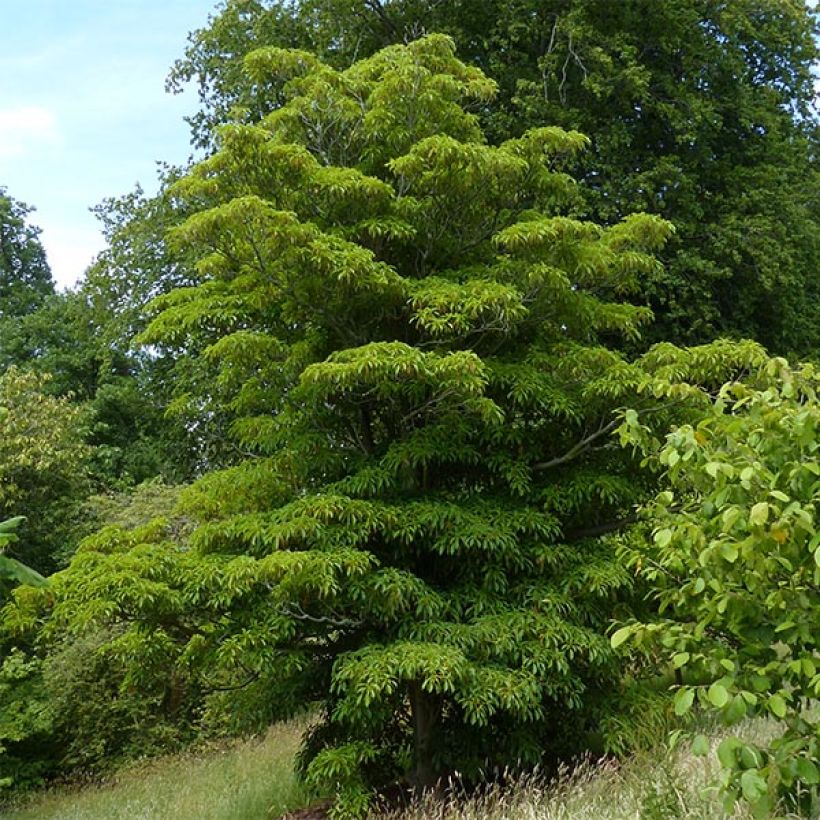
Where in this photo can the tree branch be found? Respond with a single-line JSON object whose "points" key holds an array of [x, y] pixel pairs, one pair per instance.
{"points": [[585, 443], [578, 448], [300, 615], [600, 529]]}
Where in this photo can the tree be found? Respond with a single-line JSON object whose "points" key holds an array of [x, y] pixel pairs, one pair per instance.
{"points": [[700, 112], [43, 463], [409, 341], [82, 339], [25, 278], [137, 266], [735, 567], [66, 702]]}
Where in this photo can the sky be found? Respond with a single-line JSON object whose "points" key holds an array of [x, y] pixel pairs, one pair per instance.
{"points": [[83, 110]]}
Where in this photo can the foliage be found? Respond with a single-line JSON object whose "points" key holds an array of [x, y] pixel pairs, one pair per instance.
{"points": [[74, 338], [12, 570], [25, 278], [72, 709], [138, 506], [735, 565], [409, 343], [67, 703], [138, 438], [43, 462], [82, 339], [700, 112]]}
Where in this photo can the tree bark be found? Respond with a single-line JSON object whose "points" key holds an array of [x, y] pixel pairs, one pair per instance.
{"points": [[425, 713]]}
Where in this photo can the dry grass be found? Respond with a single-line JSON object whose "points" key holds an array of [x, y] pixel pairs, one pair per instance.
{"points": [[674, 786], [250, 780]]}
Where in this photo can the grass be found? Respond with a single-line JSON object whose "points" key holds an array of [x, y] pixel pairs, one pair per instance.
{"points": [[254, 780], [672, 786], [250, 780]]}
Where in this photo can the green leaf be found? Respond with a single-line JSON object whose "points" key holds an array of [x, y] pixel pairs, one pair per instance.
{"points": [[700, 746], [807, 771], [680, 659], [777, 706], [683, 701], [718, 695], [620, 636], [729, 552], [11, 524], [663, 537], [727, 752], [759, 514], [736, 710], [753, 785]]}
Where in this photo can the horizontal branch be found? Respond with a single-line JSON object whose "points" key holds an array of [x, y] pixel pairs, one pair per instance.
{"points": [[299, 614], [578, 448], [600, 529], [604, 430]]}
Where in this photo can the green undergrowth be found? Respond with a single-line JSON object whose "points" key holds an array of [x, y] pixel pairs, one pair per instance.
{"points": [[240, 781]]}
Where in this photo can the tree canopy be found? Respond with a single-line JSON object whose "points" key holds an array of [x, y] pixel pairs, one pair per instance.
{"points": [[25, 277], [700, 112], [434, 320]]}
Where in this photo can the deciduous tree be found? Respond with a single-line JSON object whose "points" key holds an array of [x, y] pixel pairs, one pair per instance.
{"points": [[700, 112]]}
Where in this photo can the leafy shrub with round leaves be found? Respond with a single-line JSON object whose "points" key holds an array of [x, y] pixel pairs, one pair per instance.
{"points": [[734, 561]]}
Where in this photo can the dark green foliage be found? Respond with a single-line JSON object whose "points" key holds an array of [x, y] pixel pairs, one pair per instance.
{"points": [[71, 698], [69, 339], [13, 571], [25, 277], [699, 112], [75, 710]]}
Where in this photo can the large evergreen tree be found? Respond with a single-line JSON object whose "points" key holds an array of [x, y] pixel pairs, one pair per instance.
{"points": [[699, 111], [411, 342]]}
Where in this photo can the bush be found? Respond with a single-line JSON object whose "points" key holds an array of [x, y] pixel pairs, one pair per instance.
{"points": [[734, 562]]}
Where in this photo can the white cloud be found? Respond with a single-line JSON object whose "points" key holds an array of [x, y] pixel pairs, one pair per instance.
{"points": [[69, 251], [23, 127]]}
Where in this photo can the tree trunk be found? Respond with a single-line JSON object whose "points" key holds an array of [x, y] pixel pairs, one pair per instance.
{"points": [[425, 712]]}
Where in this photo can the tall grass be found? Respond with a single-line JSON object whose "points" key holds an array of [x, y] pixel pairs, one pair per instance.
{"points": [[250, 780], [254, 780], [664, 786]]}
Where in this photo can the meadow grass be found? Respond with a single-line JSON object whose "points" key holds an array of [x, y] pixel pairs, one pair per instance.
{"points": [[248, 780], [662, 786], [254, 780]]}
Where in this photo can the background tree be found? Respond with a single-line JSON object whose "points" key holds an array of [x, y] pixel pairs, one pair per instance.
{"points": [[43, 466], [701, 112], [25, 277], [410, 344], [82, 340]]}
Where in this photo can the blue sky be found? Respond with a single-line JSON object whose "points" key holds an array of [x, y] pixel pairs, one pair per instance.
{"points": [[83, 110]]}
